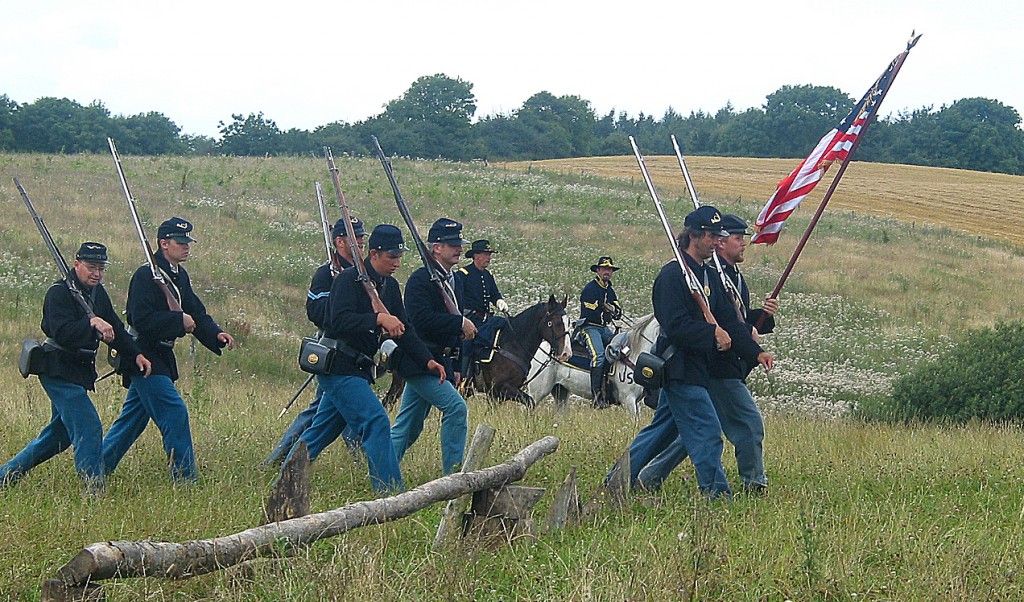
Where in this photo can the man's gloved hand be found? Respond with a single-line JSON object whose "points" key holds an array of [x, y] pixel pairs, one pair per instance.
{"points": [[501, 305]]}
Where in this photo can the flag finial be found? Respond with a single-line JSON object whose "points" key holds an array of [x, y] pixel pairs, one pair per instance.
{"points": [[913, 39]]}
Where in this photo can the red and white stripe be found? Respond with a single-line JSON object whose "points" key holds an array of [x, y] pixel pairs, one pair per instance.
{"points": [[834, 146]]}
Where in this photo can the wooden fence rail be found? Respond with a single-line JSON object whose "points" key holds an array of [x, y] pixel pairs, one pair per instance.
{"points": [[170, 560]]}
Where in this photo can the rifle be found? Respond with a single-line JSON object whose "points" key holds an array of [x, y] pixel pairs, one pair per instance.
{"points": [[58, 258], [332, 256], [296, 396], [357, 256], [727, 283], [147, 249], [428, 261], [696, 290]]}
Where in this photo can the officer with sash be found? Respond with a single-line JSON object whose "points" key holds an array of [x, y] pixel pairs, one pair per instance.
{"points": [[69, 370], [480, 297], [317, 300], [443, 332], [157, 327], [348, 399], [599, 305]]}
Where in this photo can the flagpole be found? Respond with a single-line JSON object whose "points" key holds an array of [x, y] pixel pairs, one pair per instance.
{"points": [[839, 174]]}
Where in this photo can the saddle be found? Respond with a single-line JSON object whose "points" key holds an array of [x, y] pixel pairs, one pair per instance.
{"points": [[612, 352]]}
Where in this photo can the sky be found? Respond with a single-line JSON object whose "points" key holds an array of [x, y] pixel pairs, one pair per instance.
{"points": [[310, 63]]}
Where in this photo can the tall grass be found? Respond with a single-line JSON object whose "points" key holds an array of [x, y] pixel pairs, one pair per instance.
{"points": [[856, 511]]}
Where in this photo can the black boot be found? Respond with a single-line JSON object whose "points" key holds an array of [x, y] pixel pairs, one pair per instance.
{"points": [[597, 388]]}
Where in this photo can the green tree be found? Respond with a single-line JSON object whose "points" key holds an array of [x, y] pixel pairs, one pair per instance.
{"points": [[7, 110], [745, 135], [61, 125], [432, 118], [502, 137], [148, 134], [983, 135], [560, 126], [796, 117], [341, 137], [299, 142], [199, 145], [254, 135]]}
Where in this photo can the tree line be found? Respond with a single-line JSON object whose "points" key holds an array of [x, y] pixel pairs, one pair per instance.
{"points": [[434, 118]]}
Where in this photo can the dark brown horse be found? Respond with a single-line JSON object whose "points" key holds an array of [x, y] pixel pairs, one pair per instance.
{"points": [[502, 373]]}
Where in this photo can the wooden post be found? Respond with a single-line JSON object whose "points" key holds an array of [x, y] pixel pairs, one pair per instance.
{"points": [[566, 507], [615, 491], [504, 513], [451, 520], [54, 590], [289, 495]]}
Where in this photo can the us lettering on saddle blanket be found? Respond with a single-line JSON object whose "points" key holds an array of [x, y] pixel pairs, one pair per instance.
{"points": [[560, 379]]}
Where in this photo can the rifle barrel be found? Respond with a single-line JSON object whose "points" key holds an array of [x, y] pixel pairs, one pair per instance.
{"points": [[691, 280], [325, 225], [350, 232], [730, 287], [433, 268], [58, 257], [172, 303]]}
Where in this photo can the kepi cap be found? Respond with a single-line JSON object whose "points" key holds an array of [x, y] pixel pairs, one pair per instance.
{"points": [[176, 228], [339, 227], [734, 224], [387, 238], [706, 218], [93, 252], [446, 231]]}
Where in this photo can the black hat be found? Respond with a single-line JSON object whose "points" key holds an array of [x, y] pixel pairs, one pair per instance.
{"points": [[447, 231], [604, 262], [177, 229], [706, 218], [480, 246], [734, 224], [387, 238], [339, 227], [93, 252]]}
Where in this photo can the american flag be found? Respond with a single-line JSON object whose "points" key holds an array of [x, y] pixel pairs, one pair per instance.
{"points": [[834, 146]]}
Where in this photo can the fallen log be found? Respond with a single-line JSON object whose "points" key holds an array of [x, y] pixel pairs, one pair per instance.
{"points": [[170, 560]]}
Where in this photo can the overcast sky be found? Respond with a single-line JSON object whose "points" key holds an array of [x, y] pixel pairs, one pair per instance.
{"points": [[305, 64]]}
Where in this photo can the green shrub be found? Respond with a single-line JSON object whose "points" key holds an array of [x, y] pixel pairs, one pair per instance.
{"points": [[982, 377]]}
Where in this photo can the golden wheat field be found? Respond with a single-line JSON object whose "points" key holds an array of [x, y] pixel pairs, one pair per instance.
{"points": [[982, 204]]}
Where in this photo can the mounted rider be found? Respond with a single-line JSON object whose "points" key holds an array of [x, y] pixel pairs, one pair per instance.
{"points": [[480, 296], [599, 306]]}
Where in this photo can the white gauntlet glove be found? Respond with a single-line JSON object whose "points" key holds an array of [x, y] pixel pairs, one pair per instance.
{"points": [[501, 305]]}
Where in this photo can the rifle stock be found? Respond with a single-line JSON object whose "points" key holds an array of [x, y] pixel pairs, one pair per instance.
{"points": [[58, 258], [147, 249], [428, 261], [357, 256]]}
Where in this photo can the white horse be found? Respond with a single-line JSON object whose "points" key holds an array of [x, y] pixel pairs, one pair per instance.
{"points": [[559, 379]]}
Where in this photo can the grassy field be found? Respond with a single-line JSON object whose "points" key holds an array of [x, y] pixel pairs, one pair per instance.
{"points": [[857, 510]]}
